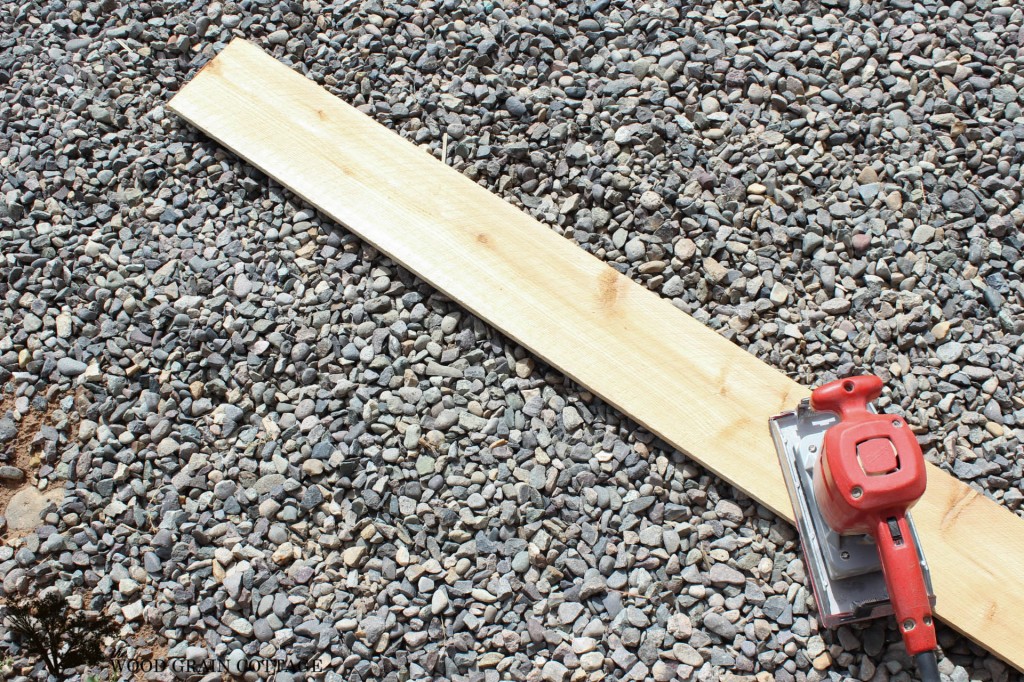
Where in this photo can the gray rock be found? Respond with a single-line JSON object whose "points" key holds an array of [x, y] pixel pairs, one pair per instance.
{"points": [[416, 639], [687, 655], [515, 106], [439, 601], [267, 483], [651, 201], [11, 474], [812, 242], [70, 367], [835, 306], [774, 606], [101, 114], [571, 418], [729, 511], [923, 234], [553, 671], [949, 352], [241, 626], [471, 422], [236, 661], [371, 629], [425, 465], [569, 611], [718, 624], [8, 429], [722, 574], [680, 626], [242, 286], [521, 562], [593, 585]]}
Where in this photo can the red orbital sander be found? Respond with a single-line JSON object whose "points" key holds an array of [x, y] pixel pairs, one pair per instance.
{"points": [[853, 475]]}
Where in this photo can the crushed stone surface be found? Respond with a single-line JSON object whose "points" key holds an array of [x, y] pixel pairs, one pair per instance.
{"points": [[274, 444]]}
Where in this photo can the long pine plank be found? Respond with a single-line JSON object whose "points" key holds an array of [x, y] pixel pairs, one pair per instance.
{"points": [[694, 389]]}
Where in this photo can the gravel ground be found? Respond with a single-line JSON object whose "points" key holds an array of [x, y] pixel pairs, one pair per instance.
{"points": [[274, 443]]}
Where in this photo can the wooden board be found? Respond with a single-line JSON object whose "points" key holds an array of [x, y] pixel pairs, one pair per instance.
{"points": [[696, 390]]}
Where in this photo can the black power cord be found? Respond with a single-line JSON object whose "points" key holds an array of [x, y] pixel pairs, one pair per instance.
{"points": [[928, 666]]}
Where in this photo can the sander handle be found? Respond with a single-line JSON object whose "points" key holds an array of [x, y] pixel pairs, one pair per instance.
{"points": [[905, 582], [848, 397]]}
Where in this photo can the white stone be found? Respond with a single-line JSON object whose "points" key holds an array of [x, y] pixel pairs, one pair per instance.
{"points": [[132, 611], [779, 293]]}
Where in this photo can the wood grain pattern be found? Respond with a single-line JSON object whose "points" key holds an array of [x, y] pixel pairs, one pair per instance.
{"points": [[684, 382]]}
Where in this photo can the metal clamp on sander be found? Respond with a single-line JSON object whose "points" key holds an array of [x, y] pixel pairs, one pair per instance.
{"points": [[852, 475]]}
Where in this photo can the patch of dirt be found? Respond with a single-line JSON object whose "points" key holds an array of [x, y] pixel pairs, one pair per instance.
{"points": [[149, 644], [150, 647], [24, 457]]}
